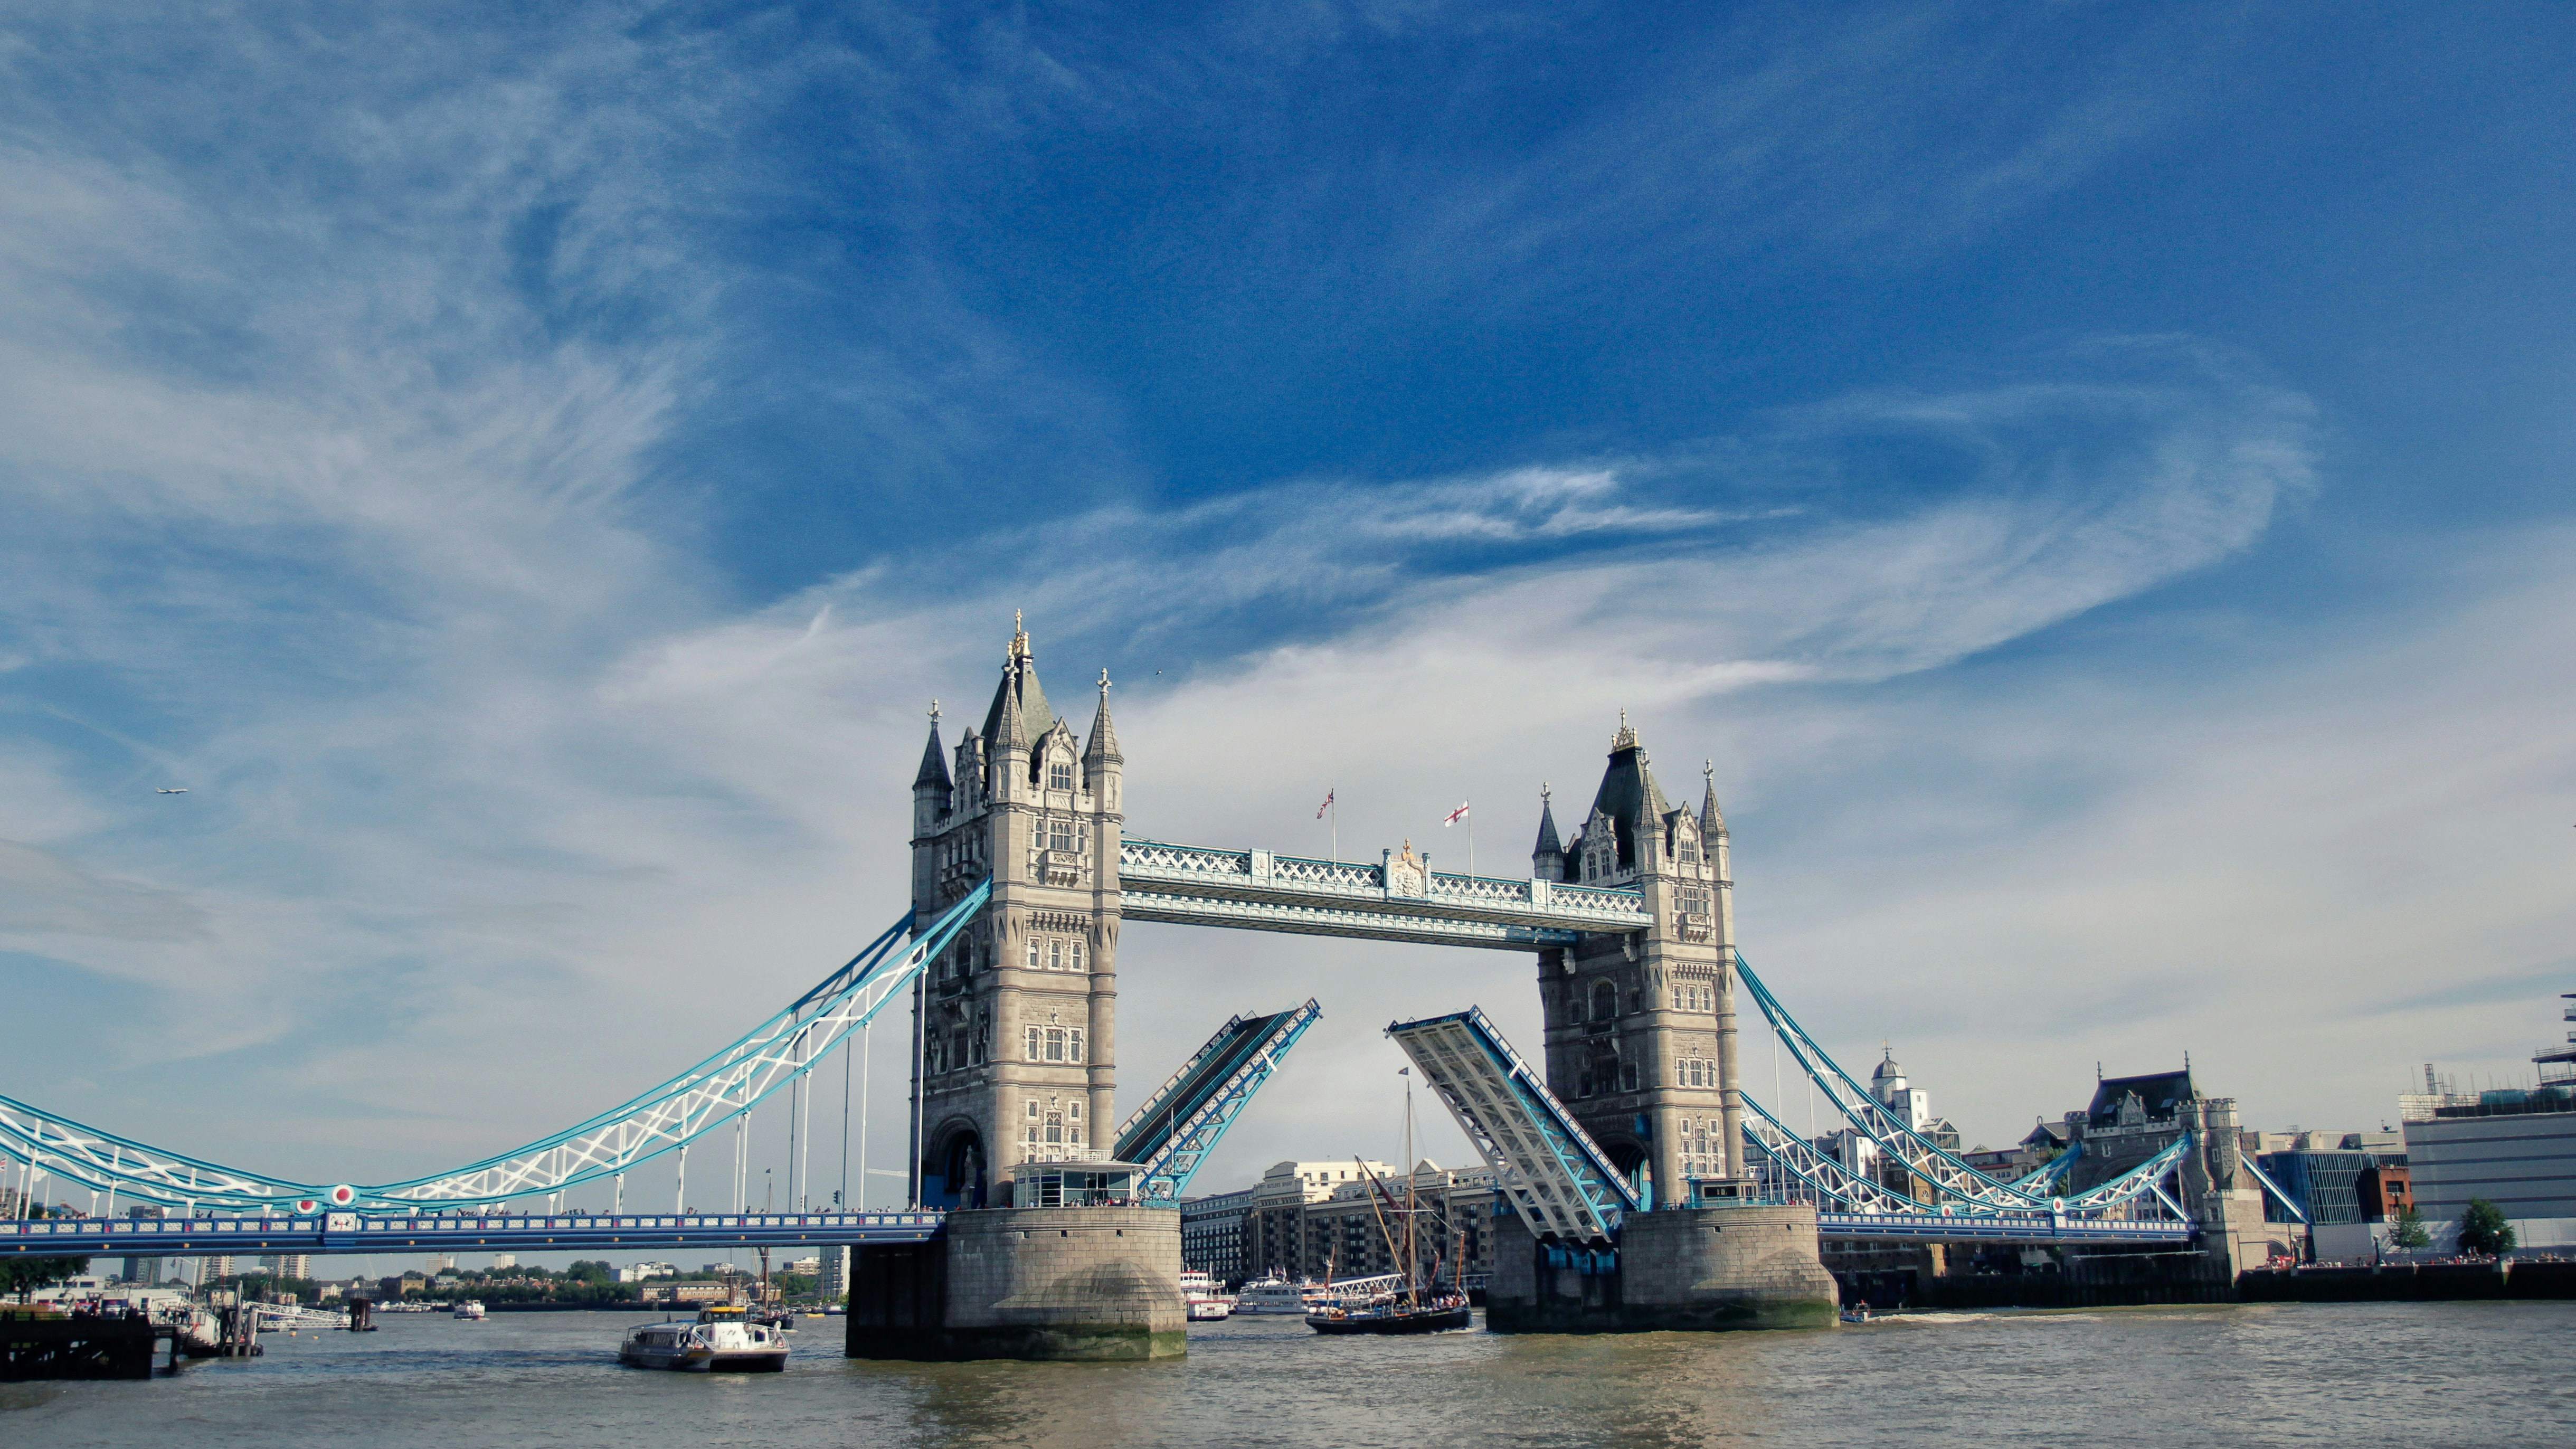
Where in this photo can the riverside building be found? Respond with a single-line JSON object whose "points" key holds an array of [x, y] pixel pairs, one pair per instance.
{"points": [[2513, 1147]]}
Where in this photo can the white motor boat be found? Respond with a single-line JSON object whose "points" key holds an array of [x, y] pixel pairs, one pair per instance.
{"points": [[723, 1340], [1204, 1298], [470, 1308], [1278, 1295]]}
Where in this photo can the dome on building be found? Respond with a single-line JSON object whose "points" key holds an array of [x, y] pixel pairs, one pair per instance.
{"points": [[1888, 1071]]}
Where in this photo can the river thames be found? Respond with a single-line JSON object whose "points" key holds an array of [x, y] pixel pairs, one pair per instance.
{"points": [[2485, 1374]]}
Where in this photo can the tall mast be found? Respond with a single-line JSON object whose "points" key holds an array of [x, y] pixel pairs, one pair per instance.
{"points": [[1412, 1288]]}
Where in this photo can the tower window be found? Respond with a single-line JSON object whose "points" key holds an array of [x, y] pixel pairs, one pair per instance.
{"points": [[1055, 1044], [1033, 1049], [1073, 1051], [1055, 955], [1605, 1001], [1033, 953], [1077, 955], [1060, 774], [1060, 834]]}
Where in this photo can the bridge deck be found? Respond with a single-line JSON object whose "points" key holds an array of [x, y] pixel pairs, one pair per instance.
{"points": [[1550, 1170], [386, 1233]]}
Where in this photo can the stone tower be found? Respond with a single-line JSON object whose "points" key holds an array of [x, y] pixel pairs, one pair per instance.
{"points": [[1016, 1023], [1641, 1037]]}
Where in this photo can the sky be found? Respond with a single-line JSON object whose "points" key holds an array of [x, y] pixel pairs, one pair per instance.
{"points": [[2091, 482]]}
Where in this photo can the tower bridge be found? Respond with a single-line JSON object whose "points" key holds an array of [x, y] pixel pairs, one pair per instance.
{"points": [[1627, 1149]]}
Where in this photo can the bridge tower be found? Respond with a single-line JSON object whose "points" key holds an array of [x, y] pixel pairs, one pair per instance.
{"points": [[1015, 1049], [1641, 1034], [1016, 1058]]}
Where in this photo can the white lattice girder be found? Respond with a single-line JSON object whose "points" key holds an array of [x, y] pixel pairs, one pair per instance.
{"points": [[1341, 898], [1351, 922]]}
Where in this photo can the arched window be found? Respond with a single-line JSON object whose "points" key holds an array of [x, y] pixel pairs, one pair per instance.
{"points": [[1059, 773], [1033, 953], [1605, 1001], [1073, 1045], [1077, 954], [1033, 1053], [1060, 834], [1055, 955]]}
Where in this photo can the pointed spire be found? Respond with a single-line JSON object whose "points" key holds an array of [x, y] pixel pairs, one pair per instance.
{"points": [[1009, 731], [934, 761], [1104, 736], [1548, 843], [1019, 716], [1712, 821]]}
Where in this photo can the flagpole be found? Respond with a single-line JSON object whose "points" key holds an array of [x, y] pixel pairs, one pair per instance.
{"points": [[1471, 837], [1335, 809]]}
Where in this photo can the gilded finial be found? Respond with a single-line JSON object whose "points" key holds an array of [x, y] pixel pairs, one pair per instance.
{"points": [[1544, 793], [934, 714], [1626, 739], [1104, 681]]}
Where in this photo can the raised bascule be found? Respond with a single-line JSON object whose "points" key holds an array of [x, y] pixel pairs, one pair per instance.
{"points": [[1644, 1187]]}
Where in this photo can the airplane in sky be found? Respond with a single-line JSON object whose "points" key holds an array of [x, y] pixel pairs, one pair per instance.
{"points": [[166, 790]]}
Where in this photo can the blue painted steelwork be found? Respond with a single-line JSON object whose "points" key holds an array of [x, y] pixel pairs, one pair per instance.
{"points": [[1398, 899], [1181, 1123], [389, 1232], [661, 1120], [1949, 1174], [1545, 1165], [2110, 1211]]}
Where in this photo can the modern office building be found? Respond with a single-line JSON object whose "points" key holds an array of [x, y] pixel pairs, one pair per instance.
{"points": [[2515, 1148], [1212, 1234]]}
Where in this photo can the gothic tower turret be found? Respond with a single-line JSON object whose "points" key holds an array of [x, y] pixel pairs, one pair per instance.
{"points": [[1547, 858]]}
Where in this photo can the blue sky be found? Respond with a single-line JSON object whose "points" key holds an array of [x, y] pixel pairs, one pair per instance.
{"points": [[2095, 479]]}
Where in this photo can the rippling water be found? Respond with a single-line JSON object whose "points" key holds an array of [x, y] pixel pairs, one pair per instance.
{"points": [[2484, 1374]]}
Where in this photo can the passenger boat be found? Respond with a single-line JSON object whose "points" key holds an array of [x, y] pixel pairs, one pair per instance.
{"points": [[1278, 1295], [1202, 1299], [471, 1308], [721, 1341]]}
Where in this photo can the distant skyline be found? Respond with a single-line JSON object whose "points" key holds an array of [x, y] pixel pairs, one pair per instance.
{"points": [[2094, 481]]}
